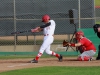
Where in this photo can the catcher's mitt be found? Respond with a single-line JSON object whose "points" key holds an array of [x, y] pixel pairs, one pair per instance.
{"points": [[65, 43]]}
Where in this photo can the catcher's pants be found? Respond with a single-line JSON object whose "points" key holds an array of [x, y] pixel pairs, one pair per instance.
{"points": [[89, 53], [48, 40]]}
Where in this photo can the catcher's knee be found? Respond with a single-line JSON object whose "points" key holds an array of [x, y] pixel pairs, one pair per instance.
{"points": [[83, 58]]}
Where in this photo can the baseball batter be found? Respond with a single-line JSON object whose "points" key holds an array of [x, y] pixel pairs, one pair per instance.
{"points": [[87, 46], [48, 31]]}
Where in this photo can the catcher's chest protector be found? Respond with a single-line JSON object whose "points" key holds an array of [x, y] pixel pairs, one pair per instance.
{"points": [[81, 49]]}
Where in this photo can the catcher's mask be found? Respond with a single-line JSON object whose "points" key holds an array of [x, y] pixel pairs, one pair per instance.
{"points": [[45, 18], [78, 34]]}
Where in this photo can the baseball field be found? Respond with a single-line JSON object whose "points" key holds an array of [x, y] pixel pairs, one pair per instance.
{"points": [[48, 65]]}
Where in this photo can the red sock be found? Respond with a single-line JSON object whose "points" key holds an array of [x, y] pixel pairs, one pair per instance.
{"points": [[55, 54], [38, 56]]}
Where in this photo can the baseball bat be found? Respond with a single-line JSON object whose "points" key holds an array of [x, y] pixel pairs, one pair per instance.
{"points": [[18, 32]]}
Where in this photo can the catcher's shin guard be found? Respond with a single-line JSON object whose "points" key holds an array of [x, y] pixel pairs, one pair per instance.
{"points": [[79, 58], [84, 58]]}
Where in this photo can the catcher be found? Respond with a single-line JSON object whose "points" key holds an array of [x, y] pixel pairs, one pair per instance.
{"points": [[85, 46]]}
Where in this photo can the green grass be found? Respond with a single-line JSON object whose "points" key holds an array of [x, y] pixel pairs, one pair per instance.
{"points": [[97, 2], [4, 57], [22, 56], [55, 70]]}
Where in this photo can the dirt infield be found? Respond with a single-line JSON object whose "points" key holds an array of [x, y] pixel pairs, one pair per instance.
{"points": [[14, 64]]}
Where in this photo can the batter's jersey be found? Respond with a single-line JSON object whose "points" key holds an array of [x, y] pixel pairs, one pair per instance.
{"points": [[87, 44], [50, 29]]}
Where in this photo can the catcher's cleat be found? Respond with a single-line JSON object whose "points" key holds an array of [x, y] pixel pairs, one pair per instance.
{"points": [[60, 58], [90, 59], [34, 61]]}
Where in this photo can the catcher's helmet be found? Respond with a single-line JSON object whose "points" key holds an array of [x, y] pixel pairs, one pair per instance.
{"points": [[79, 33], [45, 18]]}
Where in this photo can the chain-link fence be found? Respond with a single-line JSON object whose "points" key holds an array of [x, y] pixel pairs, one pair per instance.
{"points": [[20, 15]]}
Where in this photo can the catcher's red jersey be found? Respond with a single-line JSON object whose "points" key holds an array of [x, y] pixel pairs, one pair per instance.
{"points": [[87, 43]]}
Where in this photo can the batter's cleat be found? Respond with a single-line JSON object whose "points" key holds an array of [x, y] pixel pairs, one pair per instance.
{"points": [[34, 61], [60, 58]]}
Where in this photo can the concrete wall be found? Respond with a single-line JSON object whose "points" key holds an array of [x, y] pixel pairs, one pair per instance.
{"points": [[31, 48]]}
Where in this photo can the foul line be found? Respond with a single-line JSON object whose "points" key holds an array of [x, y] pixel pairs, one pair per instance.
{"points": [[18, 65]]}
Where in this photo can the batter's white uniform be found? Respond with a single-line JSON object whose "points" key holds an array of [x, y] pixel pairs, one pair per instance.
{"points": [[48, 38]]}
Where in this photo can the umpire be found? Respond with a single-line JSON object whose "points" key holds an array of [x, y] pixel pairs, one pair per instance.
{"points": [[96, 28]]}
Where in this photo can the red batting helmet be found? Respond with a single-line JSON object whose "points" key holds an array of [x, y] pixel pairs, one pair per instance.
{"points": [[45, 18]]}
